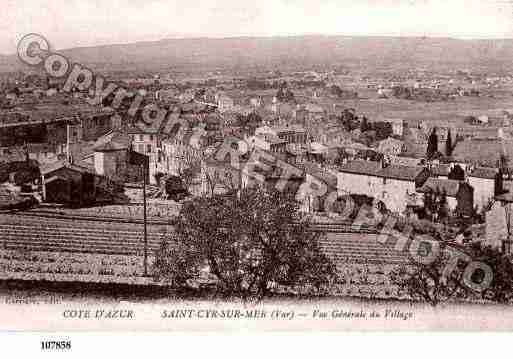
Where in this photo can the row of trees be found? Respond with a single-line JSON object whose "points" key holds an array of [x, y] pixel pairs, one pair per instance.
{"points": [[371, 132], [423, 94], [432, 151], [435, 205], [284, 94], [351, 121], [255, 84], [340, 93]]}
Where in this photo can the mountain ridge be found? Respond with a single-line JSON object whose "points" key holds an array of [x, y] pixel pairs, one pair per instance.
{"points": [[292, 51]]}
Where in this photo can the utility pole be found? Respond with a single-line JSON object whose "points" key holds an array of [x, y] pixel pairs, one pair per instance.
{"points": [[68, 130], [145, 224], [506, 244]]}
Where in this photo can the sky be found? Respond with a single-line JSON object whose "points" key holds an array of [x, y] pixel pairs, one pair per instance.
{"points": [[73, 23]]}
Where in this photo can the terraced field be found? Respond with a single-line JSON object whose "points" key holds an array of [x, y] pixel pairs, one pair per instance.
{"points": [[71, 267], [352, 248], [64, 235], [87, 250], [111, 251]]}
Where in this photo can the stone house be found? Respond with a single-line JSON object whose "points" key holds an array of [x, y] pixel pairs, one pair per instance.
{"points": [[391, 184]]}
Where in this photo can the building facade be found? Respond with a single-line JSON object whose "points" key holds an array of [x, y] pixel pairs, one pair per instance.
{"points": [[390, 184]]}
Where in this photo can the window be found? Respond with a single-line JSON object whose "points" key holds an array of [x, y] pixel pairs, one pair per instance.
{"points": [[151, 137], [148, 148], [141, 138]]}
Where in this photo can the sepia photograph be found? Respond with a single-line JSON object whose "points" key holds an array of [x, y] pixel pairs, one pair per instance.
{"points": [[281, 165]]}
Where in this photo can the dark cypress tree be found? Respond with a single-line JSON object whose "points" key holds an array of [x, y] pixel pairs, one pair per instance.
{"points": [[428, 203], [364, 125], [432, 147], [448, 144], [499, 182], [280, 95], [443, 211], [457, 173], [289, 96]]}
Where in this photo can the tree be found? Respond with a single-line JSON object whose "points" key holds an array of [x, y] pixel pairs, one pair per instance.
{"points": [[255, 84], [499, 182], [249, 242], [364, 125], [199, 94], [280, 95], [340, 156], [471, 120], [349, 119], [336, 90], [174, 188], [402, 92], [289, 96], [349, 114], [448, 144], [429, 204], [428, 282], [213, 179], [383, 130], [158, 177], [502, 165], [435, 204], [432, 147], [503, 161], [501, 287], [4, 102], [284, 94], [189, 170], [457, 173], [443, 208], [222, 177]]}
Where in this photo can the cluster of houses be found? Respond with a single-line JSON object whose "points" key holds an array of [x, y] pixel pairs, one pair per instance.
{"points": [[86, 154], [401, 188]]}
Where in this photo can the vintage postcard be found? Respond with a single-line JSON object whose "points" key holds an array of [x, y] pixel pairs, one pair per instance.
{"points": [[300, 166]]}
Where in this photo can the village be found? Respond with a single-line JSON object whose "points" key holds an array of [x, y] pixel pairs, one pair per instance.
{"points": [[63, 159]]}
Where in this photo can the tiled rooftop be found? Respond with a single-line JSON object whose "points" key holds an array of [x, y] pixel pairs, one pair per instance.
{"points": [[372, 168], [485, 152], [450, 187], [50, 112]]}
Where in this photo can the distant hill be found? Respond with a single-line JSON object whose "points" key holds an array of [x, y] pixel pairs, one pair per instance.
{"points": [[294, 52]]}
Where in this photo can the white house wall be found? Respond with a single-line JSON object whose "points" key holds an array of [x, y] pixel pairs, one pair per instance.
{"points": [[484, 190], [392, 192]]}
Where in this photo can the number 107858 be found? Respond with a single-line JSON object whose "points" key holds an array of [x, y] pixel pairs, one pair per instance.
{"points": [[55, 345]]}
